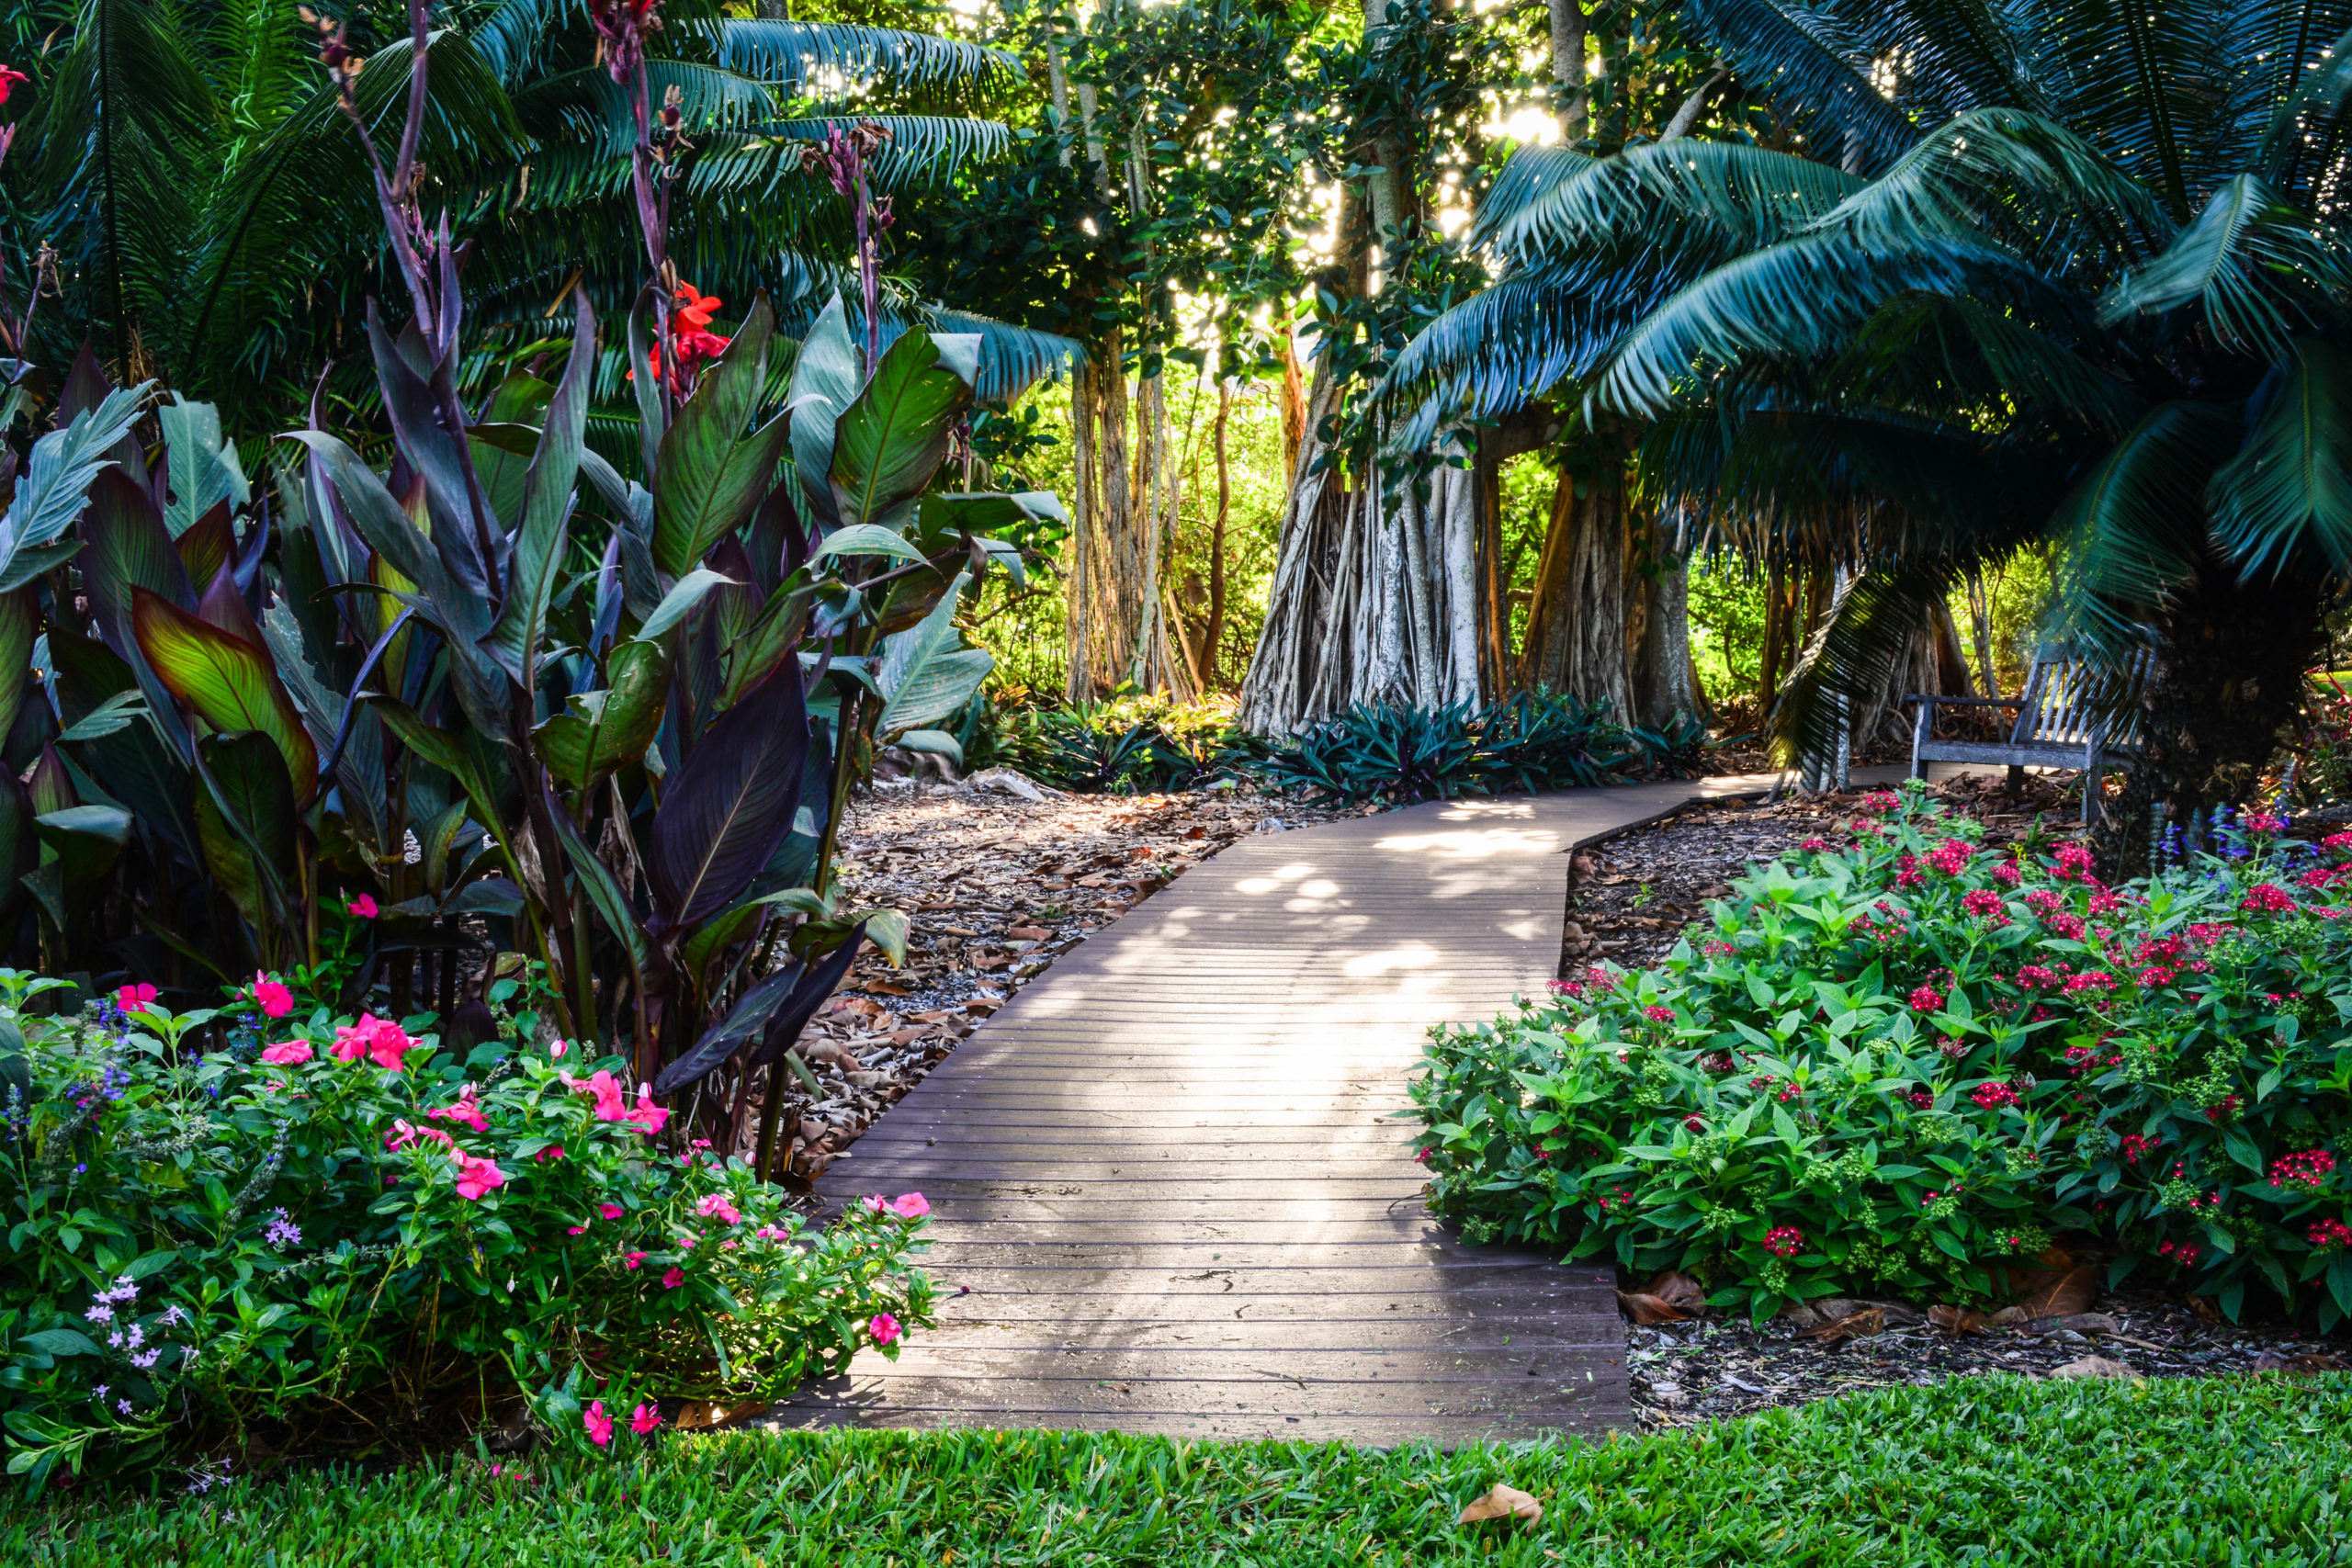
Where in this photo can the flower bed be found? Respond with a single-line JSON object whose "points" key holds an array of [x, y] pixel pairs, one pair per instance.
{"points": [[337, 1214], [1905, 1064]]}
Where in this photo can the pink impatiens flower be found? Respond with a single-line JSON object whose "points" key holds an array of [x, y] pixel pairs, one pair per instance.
{"points": [[910, 1206], [673, 1278], [883, 1327], [634, 1259], [646, 1114], [465, 1110], [557, 1050], [287, 1052], [719, 1206], [129, 997], [476, 1176], [378, 1038], [644, 1418], [599, 1425], [610, 1210], [275, 999], [364, 906], [606, 1089]]}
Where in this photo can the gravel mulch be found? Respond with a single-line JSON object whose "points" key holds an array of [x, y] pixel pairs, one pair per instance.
{"points": [[996, 887]]}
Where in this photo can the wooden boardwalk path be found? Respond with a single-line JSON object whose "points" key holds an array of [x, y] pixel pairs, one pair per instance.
{"points": [[1168, 1173]]}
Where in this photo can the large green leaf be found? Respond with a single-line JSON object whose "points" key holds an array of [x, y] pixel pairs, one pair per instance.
{"points": [[603, 890], [231, 683], [685, 596], [503, 440], [201, 471], [49, 496], [865, 539], [711, 475], [824, 382], [85, 839], [20, 617], [546, 489], [888, 443], [2288, 485], [244, 822], [606, 730], [926, 674]]}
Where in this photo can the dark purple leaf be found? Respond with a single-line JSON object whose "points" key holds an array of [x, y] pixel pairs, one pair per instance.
{"points": [[730, 804], [808, 996]]}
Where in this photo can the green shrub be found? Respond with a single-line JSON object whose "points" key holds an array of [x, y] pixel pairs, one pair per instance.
{"points": [[1901, 1064], [1126, 746], [338, 1213]]}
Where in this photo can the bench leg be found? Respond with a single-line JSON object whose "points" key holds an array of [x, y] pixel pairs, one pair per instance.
{"points": [[2017, 779], [2094, 778]]}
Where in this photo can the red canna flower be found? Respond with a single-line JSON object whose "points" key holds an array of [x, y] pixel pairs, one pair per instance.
{"points": [[9, 77]]}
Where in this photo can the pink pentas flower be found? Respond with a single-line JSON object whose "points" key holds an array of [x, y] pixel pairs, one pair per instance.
{"points": [[1785, 1241], [2266, 899], [883, 1327], [673, 1278], [1925, 999], [364, 906], [476, 1176], [137, 996], [288, 1052], [644, 1419], [1950, 857], [599, 1425], [273, 998], [1993, 1096]]}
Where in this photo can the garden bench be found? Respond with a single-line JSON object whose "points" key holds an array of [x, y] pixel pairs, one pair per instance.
{"points": [[2059, 723]]}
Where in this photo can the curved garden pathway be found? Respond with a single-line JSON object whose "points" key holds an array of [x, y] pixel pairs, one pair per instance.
{"points": [[1168, 1175]]}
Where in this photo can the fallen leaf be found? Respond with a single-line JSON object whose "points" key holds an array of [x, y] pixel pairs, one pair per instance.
{"points": [[1503, 1502], [1958, 1319], [2054, 1294], [887, 989], [2093, 1367], [1854, 1325], [1027, 933], [2010, 1315], [1644, 1308], [1679, 1291], [2205, 1310]]}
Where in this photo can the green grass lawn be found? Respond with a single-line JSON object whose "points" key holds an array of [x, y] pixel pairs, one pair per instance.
{"points": [[1977, 1470]]}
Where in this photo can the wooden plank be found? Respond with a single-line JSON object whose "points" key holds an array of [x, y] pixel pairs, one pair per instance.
{"points": [[1171, 1176]]}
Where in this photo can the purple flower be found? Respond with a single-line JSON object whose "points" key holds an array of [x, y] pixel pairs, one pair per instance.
{"points": [[146, 1359], [100, 1312], [172, 1314], [283, 1232], [122, 1407]]}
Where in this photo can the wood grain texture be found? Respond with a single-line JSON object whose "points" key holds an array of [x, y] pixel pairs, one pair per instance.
{"points": [[1168, 1180]]}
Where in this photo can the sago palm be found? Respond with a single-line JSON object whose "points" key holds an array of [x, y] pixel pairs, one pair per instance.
{"points": [[2061, 270]]}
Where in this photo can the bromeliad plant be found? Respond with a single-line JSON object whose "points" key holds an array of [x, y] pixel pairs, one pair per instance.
{"points": [[478, 674], [1907, 1064]]}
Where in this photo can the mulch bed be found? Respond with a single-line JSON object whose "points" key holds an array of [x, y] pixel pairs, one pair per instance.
{"points": [[997, 887], [1690, 1374]]}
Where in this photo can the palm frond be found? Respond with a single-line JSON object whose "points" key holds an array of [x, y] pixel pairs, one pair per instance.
{"points": [[1736, 195], [586, 115], [2286, 491], [2135, 524], [1529, 173], [1795, 301], [826, 60], [2009, 172], [1959, 359], [512, 41], [2306, 116], [1793, 57], [2260, 268], [1012, 358]]}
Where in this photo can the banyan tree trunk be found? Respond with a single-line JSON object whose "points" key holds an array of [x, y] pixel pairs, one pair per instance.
{"points": [[1579, 621], [1116, 623], [1374, 596]]}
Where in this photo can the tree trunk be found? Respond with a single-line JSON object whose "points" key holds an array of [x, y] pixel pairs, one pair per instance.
{"points": [[1212, 636], [1567, 68], [1664, 683], [2230, 658], [1579, 626]]}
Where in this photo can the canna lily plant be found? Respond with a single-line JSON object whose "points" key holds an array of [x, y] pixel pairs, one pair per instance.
{"points": [[481, 676]]}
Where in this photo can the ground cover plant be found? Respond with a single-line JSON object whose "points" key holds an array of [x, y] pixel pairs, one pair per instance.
{"points": [[1906, 1065], [2239, 1469], [327, 1227]]}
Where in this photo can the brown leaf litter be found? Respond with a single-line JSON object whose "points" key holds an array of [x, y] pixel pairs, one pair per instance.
{"points": [[996, 887]]}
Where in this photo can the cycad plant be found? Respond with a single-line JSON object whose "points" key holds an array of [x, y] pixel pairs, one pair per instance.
{"points": [[210, 210], [487, 676], [2049, 271]]}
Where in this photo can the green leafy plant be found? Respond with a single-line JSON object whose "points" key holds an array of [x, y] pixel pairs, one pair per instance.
{"points": [[1530, 740], [351, 1216], [1909, 1064], [1126, 746]]}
